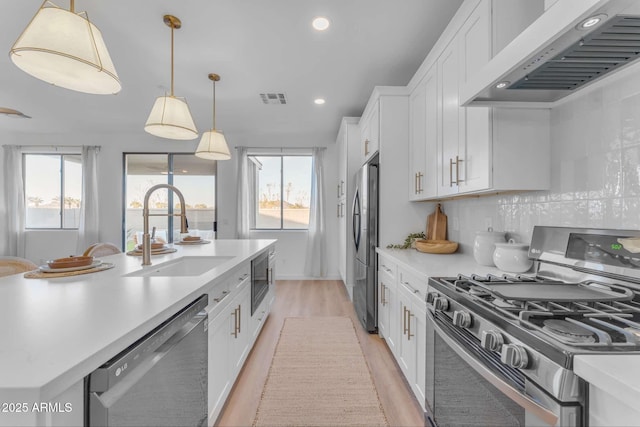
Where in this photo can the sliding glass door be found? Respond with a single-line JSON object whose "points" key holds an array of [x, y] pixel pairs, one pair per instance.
{"points": [[195, 178]]}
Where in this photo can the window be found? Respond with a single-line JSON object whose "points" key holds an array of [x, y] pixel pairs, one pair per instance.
{"points": [[194, 177], [53, 190], [282, 192]]}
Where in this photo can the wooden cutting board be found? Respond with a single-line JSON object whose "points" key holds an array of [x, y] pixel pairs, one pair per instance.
{"points": [[437, 225]]}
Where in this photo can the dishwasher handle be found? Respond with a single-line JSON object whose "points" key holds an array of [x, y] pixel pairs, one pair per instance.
{"points": [[121, 366]]}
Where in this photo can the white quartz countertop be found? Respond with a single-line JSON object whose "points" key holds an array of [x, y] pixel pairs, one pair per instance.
{"points": [[53, 332], [616, 374], [439, 265]]}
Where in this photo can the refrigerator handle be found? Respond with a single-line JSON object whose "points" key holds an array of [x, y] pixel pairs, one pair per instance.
{"points": [[356, 220]]}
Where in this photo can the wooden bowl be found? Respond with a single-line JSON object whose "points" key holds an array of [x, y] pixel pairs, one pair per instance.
{"points": [[70, 262], [436, 246]]}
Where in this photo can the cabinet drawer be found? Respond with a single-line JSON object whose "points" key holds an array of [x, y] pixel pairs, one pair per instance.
{"points": [[415, 284], [387, 268]]}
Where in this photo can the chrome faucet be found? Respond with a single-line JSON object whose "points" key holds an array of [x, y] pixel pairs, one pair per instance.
{"points": [[146, 238]]}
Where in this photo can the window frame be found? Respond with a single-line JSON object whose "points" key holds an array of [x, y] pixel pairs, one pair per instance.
{"points": [[61, 156], [256, 200]]}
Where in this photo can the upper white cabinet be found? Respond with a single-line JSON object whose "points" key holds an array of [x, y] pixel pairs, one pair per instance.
{"points": [[370, 133], [474, 149], [423, 134]]}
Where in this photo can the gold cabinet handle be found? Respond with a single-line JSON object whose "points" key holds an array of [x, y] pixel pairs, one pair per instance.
{"points": [[239, 319], [450, 172], [404, 320], [338, 191], [235, 323], [366, 147], [420, 175], [383, 300], [415, 183], [458, 161], [341, 188], [338, 210], [224, 295], [409, 334]]}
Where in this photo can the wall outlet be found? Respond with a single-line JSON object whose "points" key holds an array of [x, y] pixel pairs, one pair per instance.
{"points": [[488, 223]]}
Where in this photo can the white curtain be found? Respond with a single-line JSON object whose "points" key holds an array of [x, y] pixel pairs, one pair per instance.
{"points": [[245, 215], [89, 226], [316, 260], [14, 201]]}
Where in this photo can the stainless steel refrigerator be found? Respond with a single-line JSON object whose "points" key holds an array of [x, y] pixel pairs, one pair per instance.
{"points": [[365, 239]]}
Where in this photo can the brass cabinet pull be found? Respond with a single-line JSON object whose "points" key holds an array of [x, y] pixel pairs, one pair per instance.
{"points": [[338, 191], [420, 175], [224, 295], [415, 183], [450, 172], [341, 188], [404, 320], [235, 323], [338, 210], [409, 334], [458, 161], [366, 147], [239, 319], [383, 299]]}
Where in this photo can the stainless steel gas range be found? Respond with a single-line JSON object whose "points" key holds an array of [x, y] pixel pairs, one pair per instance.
{"points": [[500, 349]]}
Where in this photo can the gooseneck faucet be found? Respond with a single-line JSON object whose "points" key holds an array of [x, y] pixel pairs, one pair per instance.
{"points": [[146, 238]]}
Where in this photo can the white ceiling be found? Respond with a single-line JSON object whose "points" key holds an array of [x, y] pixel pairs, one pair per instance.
{"points": [[256, 46]]}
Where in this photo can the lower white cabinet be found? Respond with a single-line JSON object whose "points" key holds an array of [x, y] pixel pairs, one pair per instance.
{"points": [[232, 331], [402, 320]]}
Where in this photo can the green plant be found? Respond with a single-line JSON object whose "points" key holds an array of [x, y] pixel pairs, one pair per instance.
{"points": [[408, 241]]}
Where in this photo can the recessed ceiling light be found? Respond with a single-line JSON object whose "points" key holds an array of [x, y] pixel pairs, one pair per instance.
{"points": [[502, 85], [319, 101], [320, 23], [591, 21]]}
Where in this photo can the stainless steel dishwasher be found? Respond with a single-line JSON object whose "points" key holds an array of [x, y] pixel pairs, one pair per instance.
{"points": [[160, 380]]}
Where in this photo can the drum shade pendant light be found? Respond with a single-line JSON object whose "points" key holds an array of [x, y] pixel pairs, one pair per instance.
{"points": [[64, 48], [170, 116], [213, 145]]}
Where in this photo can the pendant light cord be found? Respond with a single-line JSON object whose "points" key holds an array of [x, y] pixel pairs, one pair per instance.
{"points": [[72, 7], [214, 105], [172, 59]]}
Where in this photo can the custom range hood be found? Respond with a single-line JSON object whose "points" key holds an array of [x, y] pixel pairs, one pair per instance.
{"points": [[571, 45]]}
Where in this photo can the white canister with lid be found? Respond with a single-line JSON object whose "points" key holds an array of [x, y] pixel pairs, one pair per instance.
{"points": [[484, 246], [512, 257]]}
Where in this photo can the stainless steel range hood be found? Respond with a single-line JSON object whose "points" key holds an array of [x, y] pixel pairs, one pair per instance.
{"points": [[573, 44]]}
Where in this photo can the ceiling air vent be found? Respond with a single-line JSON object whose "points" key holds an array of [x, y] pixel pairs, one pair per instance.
{"points": [[613, 45], [273, 98]]}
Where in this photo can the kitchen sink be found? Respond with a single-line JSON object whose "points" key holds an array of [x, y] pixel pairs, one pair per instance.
{"points": [[181, 267]]}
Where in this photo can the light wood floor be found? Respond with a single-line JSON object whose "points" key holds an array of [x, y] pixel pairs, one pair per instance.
{"points": [[318, 299]]}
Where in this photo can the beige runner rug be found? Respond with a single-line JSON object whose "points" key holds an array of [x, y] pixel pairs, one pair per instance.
{"points": [[319, 377]]}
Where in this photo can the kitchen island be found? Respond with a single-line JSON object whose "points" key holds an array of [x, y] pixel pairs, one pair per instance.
{"points": [[54, 332]]}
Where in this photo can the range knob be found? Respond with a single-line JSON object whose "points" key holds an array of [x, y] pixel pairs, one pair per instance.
{"points": [[441, 303], [515, 356], [491, 340], [431, 296], [461, 319]]}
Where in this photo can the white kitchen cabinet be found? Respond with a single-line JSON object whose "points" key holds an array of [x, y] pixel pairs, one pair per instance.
{"points": [[481, 149], [411, 345], [349, 160], [387, 300], [397, 216], [370, 133], [423, 134], [232, 331]]}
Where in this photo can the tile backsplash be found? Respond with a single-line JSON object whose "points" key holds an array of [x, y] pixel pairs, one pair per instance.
{"points": [[595, 172]]}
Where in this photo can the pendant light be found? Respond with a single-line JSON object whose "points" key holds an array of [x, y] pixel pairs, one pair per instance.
{"points": [[170, 116], [213, 145], [64, 48]]}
